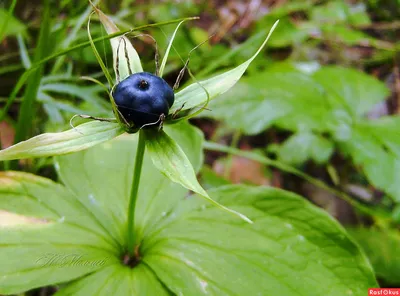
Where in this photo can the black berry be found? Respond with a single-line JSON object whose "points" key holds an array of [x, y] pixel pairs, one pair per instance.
{"points": [[142, 98]]}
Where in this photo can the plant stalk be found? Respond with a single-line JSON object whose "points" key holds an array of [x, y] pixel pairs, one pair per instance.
{"points": [[134, 192], [229, 161]]}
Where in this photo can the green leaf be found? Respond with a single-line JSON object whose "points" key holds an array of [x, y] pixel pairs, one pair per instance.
{"points": [[165, 58], [53, 108], [292, 247], [194, 95], [126, 59], [23, 51], [348, 36], [103, 67], [382, 249], [336, 12], [91, 94], [50, 144], [303, 146], [374, 145], [49, 231], [386, 131], [170, 159], [351, 90], [291, 7], [9, 25], [117, 280]]}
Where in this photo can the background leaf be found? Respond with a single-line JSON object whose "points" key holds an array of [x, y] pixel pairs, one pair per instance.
{"points": [[381, 248], [303, 146], [372, 146], [340, 12], [351, 90], [331, 101], [13, 26]]}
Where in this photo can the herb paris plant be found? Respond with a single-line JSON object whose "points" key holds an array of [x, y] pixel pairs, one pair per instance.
{"points": [[167, 156]]}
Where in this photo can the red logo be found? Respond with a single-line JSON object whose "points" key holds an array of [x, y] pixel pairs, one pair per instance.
{"points": [[384, 291]]}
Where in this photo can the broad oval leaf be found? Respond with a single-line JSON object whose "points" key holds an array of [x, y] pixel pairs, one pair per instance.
{"points": [[303, 146], [126, 59], [373, 145], [382, 249], [195, 95], [293, 248], [81, 137], [56, 234]]}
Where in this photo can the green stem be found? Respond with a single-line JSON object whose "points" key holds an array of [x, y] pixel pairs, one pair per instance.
{"points": [[1, 162], [229, 162], [134, 192], [371, 211], [72, 36]]}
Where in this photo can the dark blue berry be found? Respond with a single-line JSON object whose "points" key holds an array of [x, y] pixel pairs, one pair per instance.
{"points": [[142, 98]]}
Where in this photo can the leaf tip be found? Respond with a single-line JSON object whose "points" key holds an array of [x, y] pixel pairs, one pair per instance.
{"points": [[272, 29], [245, 218], [240, 215]]}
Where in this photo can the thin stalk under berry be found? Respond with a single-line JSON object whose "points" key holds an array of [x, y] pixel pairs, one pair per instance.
{"points": [[134, 192]]}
